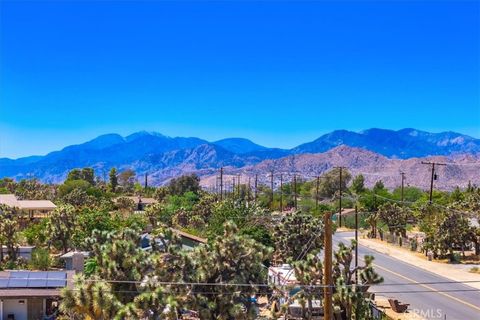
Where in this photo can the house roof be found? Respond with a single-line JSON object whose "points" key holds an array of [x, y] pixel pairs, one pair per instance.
{"points": [[21, 249], [12, 201], [9, 200], [37, 204], [285, 273], [70, 254], [144, 200], [346, 211], [189, 236], [22, 284]]}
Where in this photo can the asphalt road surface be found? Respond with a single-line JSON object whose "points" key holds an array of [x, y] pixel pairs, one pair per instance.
{"points": [[410, 284]]}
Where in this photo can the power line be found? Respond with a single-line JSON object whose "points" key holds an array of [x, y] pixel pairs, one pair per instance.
{"points": [[227, 284]]}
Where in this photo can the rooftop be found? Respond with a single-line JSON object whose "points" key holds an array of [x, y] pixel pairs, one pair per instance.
{"points": [[12, 201], [284, 273], [142, 199], [16, 283]]}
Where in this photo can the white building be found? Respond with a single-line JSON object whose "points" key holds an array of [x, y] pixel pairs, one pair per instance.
{"points": [[31, 208], [31, 295]]}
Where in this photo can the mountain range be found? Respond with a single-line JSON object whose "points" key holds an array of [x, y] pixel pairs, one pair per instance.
{"points": [[163, 157]]}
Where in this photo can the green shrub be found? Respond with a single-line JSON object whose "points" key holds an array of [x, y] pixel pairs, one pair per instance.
{"points": [[40, 259]]}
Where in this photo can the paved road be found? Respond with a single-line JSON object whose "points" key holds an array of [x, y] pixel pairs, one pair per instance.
{"points": [[461, 302]]}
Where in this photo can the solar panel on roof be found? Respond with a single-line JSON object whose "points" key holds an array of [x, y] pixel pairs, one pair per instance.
{"points": [[18, 279], [19, 274], [3, 283], [56, 279], [37, 280], [34, 279]]}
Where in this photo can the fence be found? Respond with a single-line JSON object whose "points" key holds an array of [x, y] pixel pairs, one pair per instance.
{"points": [[413, 243]]}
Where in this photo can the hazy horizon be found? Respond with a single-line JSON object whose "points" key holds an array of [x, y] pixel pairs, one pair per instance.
{"points": [[277, 73], [207, 139]]}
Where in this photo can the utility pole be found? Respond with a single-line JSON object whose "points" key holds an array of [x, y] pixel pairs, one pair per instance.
{"points": [[356, 244], [146, 181], [233, 187], [403, 185], [340, 198], [238, 187], [295, 191], [271, 187], [281, 192], [434, 175], [256, 186], [327, 290], [221, 183], [249, 192], [316, 192]]}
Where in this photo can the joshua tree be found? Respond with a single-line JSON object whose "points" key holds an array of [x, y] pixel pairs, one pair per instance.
{"points": [[61, 226], [91, 299], [349, 295], [395, 217], [372, 220], [9, 228], [297, 236], [231, 259], [118, 256]]}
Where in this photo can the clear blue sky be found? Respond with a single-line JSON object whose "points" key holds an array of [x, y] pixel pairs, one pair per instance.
{"points": [[278, 73]]}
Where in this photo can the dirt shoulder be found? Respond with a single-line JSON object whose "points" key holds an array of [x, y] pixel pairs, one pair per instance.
{"points": [[382, 304], [453, 272]]}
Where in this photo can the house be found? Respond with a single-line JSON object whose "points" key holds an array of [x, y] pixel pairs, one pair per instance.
{"points": [[30, 208], [24, 252], [189, 241], [142, 203], [31, 295], [75, 260], [283, 277]]}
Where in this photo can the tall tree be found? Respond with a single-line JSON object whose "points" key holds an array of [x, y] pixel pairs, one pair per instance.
{"points": [[395, 217], [358, 184], [88, 175], [127, 179], [9, 230], [330, 182], [61, 226], [186, 183], [93, 300], [378, 187], [350, 295], [230, 259], [113, 183], [75, 174], [296, 236], [118, 257], [309, 274]]}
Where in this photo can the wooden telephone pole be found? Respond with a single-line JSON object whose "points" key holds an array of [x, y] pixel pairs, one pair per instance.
{"points": [[233, 187], [221, 183], [271, 187], [434, 175], [403, 185], [256, 187], [281, 193], [327, 290], [295, 191], [356, 244], [238, 186], [340, 197]]}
